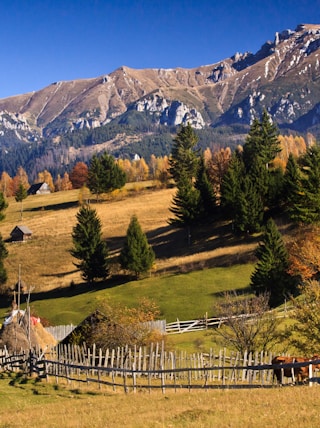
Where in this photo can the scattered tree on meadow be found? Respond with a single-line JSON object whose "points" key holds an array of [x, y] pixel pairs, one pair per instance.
{"points": [[88, 245], [248, 324], [104, 175], [271, 272], [20, 195], [136, 255], [79, 175]]}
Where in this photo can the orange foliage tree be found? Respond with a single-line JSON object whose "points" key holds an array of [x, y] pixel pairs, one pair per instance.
{"points": [[79, 175], [304, 254]]}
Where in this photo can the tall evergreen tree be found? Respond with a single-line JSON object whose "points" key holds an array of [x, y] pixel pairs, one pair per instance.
{"points": [[270, 274], [186, 205], [207, 200], [262, 142], [104, 175], [306, 201], [291, 186], [136, 255], [231, 185], [88, 245], [249, 208], [20, 195], [184, 157]]}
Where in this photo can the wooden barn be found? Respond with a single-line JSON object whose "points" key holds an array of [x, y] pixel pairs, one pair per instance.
{"points": [[39, 189], [21, 233]]}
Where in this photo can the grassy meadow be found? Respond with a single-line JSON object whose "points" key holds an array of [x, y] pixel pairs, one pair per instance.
{"points": [[32, 403], [184, 281]]}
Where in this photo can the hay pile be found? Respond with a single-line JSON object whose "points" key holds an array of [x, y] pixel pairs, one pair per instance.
{"points": [[15, 337]]}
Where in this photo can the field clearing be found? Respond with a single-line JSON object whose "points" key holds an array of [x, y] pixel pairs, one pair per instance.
{"points": [[47, 264], [34, 403]]}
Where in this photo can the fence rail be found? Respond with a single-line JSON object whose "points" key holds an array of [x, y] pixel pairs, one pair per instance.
{"points": [[149, 368]]}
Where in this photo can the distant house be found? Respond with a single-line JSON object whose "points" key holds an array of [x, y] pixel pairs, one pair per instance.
{"points": [[39, 189], [21, 233]]}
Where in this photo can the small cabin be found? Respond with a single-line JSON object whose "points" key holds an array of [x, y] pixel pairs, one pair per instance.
{"points": [[21, 233], [39, 189]]}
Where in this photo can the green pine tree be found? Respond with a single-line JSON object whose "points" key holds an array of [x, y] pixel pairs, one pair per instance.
{"points": [[292, 188], [207, 200], [136, 255], [306, 198], [249, 208], [20, 195], [185, 204], [231, 186], [270, 274], [104, 175], [184, 157], [89, 248]]}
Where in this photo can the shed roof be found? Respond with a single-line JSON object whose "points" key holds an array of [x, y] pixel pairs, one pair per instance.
{"points": [[24, 229]]}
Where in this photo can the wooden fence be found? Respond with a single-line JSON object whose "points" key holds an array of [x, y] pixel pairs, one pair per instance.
{"points": [[149, 368]]}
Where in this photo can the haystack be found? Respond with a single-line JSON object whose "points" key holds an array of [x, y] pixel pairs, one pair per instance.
{"points": [[15, 335]]}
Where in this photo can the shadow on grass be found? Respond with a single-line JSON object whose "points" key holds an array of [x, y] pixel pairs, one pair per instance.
{"points": [[55, 207], [70, 291]]}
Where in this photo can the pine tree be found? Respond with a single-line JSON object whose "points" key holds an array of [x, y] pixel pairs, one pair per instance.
{"points": [[136, 255], [185, 204], [249, 208], [89, 247], [291, 186], [104, 175], [207, 200], [231, 186], [20, 195], [184, 157], [270, 275], [306, 201]]}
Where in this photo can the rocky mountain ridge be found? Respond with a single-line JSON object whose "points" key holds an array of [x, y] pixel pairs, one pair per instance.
{"points": [[283, 77]]}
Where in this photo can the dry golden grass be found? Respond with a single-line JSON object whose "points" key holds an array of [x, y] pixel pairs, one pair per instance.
{"points": [[46, 262], [57, 405]]}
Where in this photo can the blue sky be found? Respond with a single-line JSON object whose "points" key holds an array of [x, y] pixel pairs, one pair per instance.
{"points": [[51, 40]]}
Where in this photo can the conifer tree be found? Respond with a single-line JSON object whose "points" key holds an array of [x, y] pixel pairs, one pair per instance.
{"points": [[184, 157], [291, 186], [185, 204], [270, 274], [136, 255], [88, 245], [104, 175], [231, 186], [20, 195], [249, 208], [207, 197], [306, 203]]}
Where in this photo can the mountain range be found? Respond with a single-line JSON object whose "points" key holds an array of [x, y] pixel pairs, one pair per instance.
{"points": [[137, 111]]}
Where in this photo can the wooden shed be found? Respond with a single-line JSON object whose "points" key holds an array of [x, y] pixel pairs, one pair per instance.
{"points": [[39, 189], [21, 233]]}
